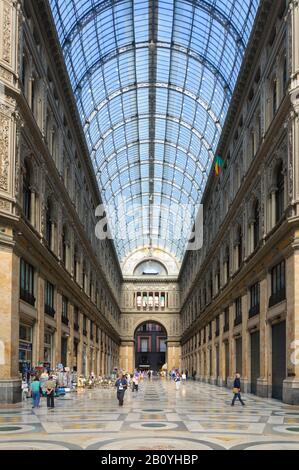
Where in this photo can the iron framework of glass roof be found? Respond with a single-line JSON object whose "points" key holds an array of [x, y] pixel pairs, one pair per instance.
{"points": [[153, 80]]}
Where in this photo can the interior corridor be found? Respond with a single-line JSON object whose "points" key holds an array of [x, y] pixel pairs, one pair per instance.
{"points": [[197, 417]]}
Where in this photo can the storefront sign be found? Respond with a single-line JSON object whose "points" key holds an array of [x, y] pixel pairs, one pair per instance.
{"points": [[26, 346]]}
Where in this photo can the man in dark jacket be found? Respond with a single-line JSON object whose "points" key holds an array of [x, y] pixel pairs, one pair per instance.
{"points": [[121, 386], [237, 390]]}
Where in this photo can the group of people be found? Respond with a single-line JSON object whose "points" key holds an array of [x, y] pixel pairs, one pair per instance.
{"points": [[40, 385], [124, 380]]}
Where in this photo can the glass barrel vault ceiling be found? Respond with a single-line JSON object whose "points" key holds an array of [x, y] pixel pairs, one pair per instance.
{"points": [[153, 80]]}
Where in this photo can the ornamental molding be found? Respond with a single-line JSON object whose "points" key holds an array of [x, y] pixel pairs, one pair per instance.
{"points": [[6, 34], [4, 149]]}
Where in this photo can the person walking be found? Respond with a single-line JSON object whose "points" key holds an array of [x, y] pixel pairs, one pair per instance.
{"points": [[35, 392], [184, 378], [121, 386], [237, 390], [50, 386], [135, 382], [177, 381]]}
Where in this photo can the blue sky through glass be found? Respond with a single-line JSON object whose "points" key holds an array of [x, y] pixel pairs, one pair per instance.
{"points": [[153, 80]]}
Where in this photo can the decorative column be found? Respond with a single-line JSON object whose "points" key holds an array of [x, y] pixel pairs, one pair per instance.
{"points": [[291, 383], [57, 336], [88, 348], [10, 384], [245, 346], [262, 382], [221, 378], [293, 25], [80, 346], [70, 344], [127, 359], [39, 328], [231, 340]]}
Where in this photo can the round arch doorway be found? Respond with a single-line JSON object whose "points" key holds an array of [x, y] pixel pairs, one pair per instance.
{"points": [[150, 346]]}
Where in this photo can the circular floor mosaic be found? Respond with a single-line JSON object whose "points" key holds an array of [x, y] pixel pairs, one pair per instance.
{"points": [[37, 445], [154, 444], [6, 429], [274, 445], [287, 429], [153, 426]]}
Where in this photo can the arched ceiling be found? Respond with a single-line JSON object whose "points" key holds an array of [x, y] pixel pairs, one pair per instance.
{"points": [[153, 80]]}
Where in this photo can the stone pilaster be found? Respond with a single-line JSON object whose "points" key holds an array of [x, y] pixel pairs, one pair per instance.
{"points": [[70, 345], [291, 383], [10, 391], [245, 346], [262, 382], [127, 354]]}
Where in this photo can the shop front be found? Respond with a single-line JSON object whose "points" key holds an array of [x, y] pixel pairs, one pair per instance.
{"points": [[48, 349], [25, 348]]}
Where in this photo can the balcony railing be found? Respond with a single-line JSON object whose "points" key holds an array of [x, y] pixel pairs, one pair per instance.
{"points": [[27, 297], [76, 326], [65, 320], [238, 320], [49, 310], [277, 297], [253, 311]]}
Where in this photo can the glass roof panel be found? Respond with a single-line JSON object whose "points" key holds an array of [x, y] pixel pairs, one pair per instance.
{"points": [[153, 80]]}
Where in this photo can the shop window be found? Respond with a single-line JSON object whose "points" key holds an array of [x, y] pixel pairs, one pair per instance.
{"points": [[84, 325], [25, 348], [254, 300], [238, 311], [48, 349], [64, 313], [76, 318], [27, 282], [278, 284], [226, 320], [49, 299]]}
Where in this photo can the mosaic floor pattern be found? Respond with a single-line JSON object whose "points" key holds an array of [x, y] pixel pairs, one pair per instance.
{"points": [[197, 417]]}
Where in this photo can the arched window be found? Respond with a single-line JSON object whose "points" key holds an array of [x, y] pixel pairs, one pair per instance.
{"points": [[256, 224], [279, 195], [48, 227], [27, 192]]}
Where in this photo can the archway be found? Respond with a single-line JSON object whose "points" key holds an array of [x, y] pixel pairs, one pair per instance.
{"points": [[150, 346]]}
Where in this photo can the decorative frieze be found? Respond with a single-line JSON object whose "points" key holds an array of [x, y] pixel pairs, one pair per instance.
{"points": [[4, 205], [4, 149], [6, 34]]}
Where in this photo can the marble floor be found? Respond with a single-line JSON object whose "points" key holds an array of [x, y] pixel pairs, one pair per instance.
{"points": [[197, 417]]}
